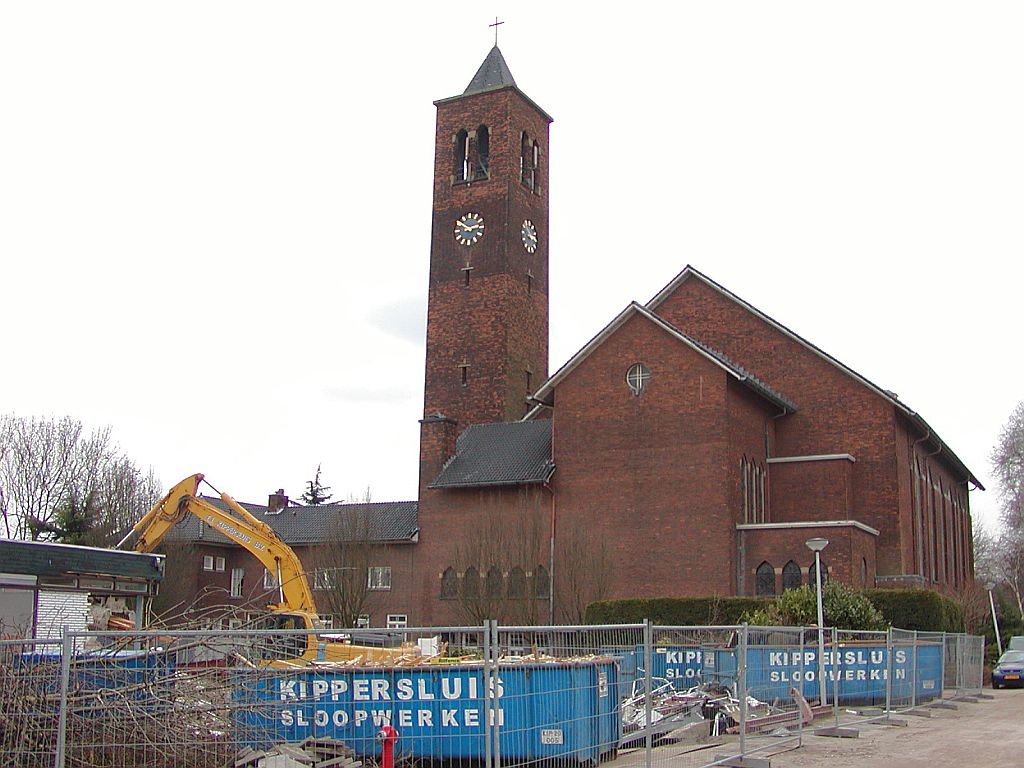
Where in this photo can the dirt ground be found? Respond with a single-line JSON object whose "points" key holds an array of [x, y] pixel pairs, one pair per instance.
{"points": [[988, 733]]}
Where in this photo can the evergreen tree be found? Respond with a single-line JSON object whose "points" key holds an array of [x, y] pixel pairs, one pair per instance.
{"points": [[317, 493]]}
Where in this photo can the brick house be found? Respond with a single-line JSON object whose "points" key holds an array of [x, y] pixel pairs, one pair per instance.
{"points": [[690, 448]]}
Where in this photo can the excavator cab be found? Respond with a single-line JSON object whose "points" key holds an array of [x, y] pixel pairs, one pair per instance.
{"points": [[286, 646]]}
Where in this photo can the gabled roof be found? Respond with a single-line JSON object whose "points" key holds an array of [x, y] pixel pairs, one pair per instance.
{"points": [[506, 453], [744, 377], [915, 418], [493, 73], [382, 522]]}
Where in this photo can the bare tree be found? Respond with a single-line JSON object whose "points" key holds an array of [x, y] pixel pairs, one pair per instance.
{"points": [[500, 561], [582, 574], [342, 564], [54, 468], [1008, 465]]}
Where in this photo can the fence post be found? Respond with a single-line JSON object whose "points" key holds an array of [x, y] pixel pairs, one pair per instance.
{"points": [[913, 677], [741, 688], [492, 692], [488, 739], [648, 689], [67, 648], [888, 672]]}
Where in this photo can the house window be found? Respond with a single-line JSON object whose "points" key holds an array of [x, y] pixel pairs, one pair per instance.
{"points": [[237, 579], [397, 621], [323, 578], [449, 584], [269, 580], [792, 578], [362, 621], [379, 577], [207, 562], [637, 377], [234, 623], [220, 563], [765, 580]]}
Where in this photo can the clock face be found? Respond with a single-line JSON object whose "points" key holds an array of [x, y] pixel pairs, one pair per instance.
{"points": [[529, 232], [469, 228]]}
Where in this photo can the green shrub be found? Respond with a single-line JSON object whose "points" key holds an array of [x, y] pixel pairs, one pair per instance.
{"points": [[843, 607]]}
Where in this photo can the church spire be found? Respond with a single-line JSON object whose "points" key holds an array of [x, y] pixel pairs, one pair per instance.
{"points": [[493, 73]]}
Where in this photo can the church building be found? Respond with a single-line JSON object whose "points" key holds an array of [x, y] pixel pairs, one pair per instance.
{"points": [[692, 447]]}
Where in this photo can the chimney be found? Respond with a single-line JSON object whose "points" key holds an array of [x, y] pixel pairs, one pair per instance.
{"points": [[276, 502]]}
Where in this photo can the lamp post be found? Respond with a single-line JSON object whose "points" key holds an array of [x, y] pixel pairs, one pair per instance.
{"points": [[995, 621], [816, 545]]}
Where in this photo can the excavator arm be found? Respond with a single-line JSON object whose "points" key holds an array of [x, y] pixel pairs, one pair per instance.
{"points": [[239, 525]]}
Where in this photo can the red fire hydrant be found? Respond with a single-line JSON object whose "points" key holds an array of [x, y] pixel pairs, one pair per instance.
{"points": [[388, 736]]}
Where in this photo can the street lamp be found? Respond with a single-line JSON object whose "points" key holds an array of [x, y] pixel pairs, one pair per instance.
{"points": [[816, 545], [995, 621]]}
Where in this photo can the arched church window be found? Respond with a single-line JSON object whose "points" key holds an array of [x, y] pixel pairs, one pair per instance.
{"points": [[471, 584], [637, 377], [864, 571], [495, 583], [517, 583], [765, 579], [812, 578], [541, 583], [483, 153], [449, 584], [461, 168], [792, 577]]}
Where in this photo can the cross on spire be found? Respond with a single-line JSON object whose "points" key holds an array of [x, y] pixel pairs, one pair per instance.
{"points": [[496, 24]]}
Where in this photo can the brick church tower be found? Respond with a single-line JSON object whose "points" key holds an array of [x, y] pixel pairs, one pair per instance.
{"points": [[487, 311]]}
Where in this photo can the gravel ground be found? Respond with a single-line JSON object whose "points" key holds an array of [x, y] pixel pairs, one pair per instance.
{"points": [[988, 733]]}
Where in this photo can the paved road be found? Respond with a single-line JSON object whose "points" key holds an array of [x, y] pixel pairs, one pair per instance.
{"points": [[989, 733]]}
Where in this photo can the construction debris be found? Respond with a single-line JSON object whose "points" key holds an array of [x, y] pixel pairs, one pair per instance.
{"points": [[311, 753]]}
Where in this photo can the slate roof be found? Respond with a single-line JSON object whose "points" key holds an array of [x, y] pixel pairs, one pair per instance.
{"points": [[507, 453], [915, 418], [383, 522], [493, 73]]}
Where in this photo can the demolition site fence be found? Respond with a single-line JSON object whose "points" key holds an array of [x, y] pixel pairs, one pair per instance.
{"points": [[488, 696]]}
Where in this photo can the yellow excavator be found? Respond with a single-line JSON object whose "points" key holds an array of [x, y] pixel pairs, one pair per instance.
{"points": [[295, 608]]}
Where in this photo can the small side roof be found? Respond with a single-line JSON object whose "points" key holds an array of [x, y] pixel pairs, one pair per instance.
{"points": [[915, 418], [505, 453], [381, 522], [41, 558]]}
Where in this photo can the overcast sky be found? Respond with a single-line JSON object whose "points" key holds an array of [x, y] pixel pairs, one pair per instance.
{"points": [[215, 216]]}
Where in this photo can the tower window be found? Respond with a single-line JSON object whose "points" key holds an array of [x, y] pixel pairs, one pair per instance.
{"points": [[483, 153], [529, 282], [462, 164], [464, 368], [529, 381], [637, 377], [527, 170], [465, 275]]}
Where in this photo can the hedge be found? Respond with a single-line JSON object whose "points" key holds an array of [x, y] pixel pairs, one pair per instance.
{"points": [[920, 609], [674, 611]]}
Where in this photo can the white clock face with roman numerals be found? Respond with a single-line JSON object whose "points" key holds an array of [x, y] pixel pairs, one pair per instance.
{"points": [[469, 228]]}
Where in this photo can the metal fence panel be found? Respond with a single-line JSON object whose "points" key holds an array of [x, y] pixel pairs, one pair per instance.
{"points": [[30, 684]]}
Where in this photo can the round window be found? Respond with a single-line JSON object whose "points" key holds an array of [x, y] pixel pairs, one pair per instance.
{"points": [[637, 377]]}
